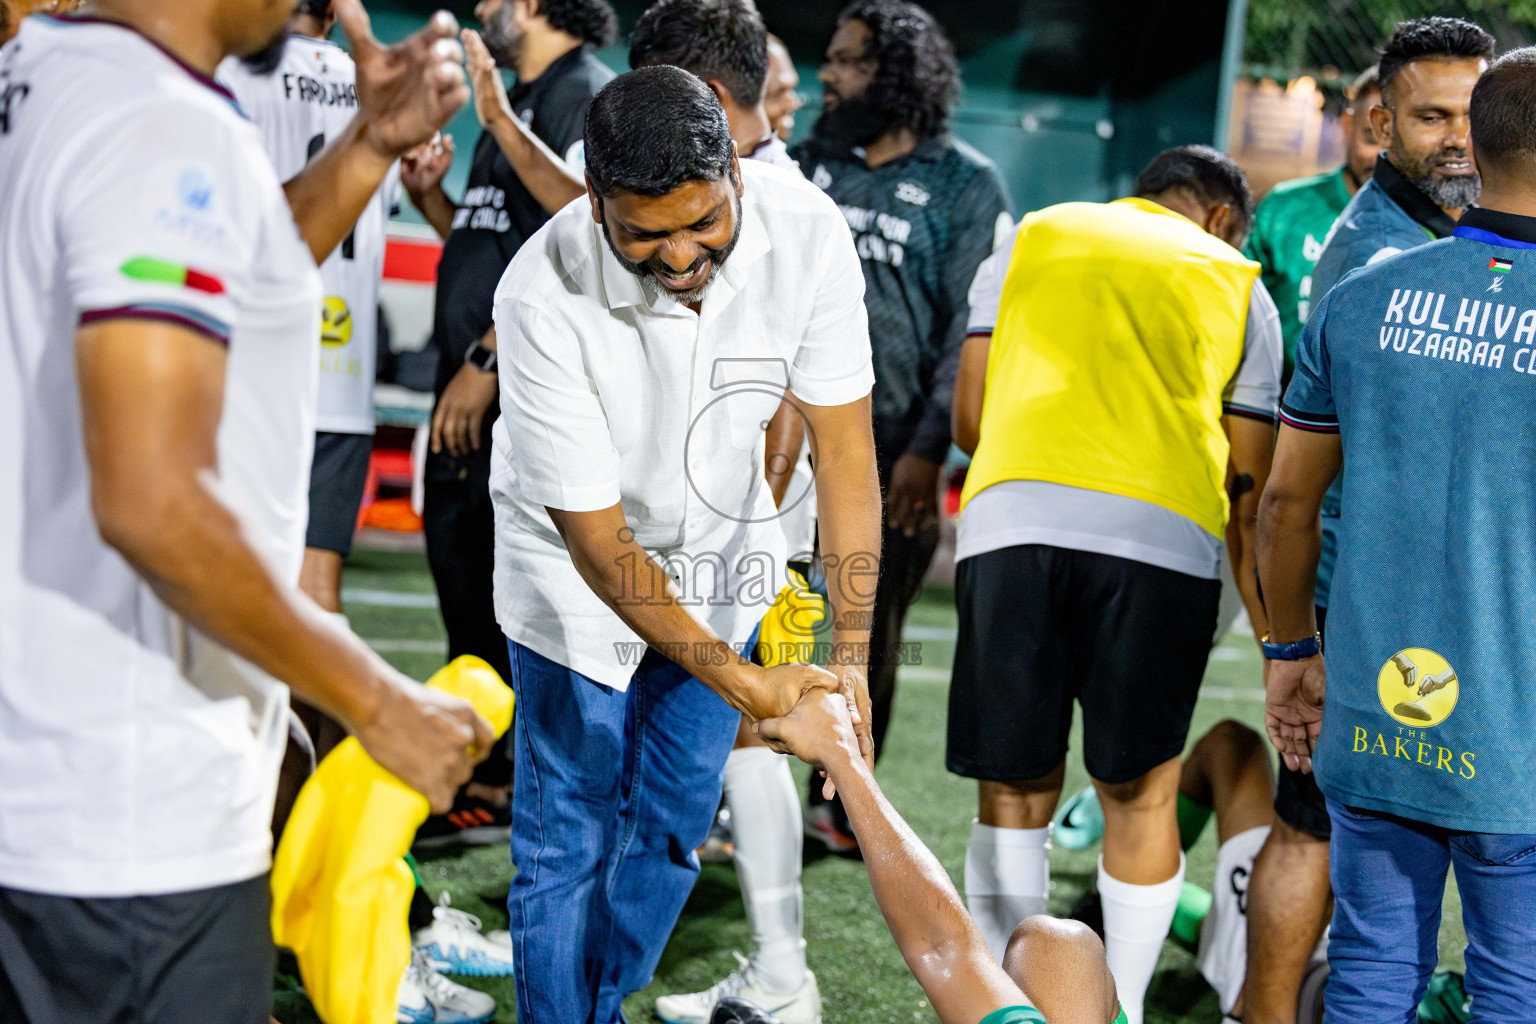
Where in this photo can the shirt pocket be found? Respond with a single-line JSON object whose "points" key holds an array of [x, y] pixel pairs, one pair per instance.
{"points": [[749, 390]]}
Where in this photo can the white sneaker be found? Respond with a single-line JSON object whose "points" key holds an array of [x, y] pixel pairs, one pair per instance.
{"points": [[803, 1006], [453, 944], [426, 997]]}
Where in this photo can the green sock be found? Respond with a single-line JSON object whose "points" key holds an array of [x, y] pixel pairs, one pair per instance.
{"points": [[1192, 818]]}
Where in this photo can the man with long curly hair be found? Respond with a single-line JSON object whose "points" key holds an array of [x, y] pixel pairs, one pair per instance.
{"points": [[925, 210]]}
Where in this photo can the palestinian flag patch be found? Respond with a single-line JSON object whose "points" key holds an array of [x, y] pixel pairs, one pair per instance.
{"points": [[147, 268], [1499, 266]]}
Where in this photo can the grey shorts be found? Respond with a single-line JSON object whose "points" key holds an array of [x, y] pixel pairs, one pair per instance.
{"points": [[337, 478], [186, 958]]}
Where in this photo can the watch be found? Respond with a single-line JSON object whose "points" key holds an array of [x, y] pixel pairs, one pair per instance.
{"points": [[1296, 650], [481, 358]]}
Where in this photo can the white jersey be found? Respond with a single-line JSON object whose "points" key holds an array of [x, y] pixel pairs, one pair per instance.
{"points": [[299, 109], [138, 757]]}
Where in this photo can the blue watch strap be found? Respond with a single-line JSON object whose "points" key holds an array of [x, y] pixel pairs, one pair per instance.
{"points": [[1293, 651]]}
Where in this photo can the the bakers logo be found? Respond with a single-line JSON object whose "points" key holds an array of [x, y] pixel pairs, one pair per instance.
{"points": [[1418, 689]]}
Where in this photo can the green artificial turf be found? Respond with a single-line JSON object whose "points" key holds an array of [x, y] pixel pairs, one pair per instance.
{"points": [[863, 979]]}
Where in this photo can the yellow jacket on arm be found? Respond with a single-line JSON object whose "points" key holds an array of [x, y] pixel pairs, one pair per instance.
{"points": [[1120, 327]]}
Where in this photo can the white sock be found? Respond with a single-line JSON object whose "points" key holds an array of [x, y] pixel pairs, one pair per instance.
{"points": [[1007, 878], [767, 832], [1136, 921]]}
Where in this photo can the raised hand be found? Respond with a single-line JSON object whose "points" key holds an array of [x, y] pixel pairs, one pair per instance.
{"points": [[408, 91], [1293, 708], [491, 103]]}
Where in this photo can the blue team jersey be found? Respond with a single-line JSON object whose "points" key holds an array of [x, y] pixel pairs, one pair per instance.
{"points": [[1386, 216], [1423, 363]]}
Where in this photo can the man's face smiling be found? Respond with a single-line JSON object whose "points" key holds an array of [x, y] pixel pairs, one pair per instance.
{"points": [[1429, 127], [677, 241]]}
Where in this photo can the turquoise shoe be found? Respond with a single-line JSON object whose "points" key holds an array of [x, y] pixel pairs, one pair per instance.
{"points": [[1079, 823]]}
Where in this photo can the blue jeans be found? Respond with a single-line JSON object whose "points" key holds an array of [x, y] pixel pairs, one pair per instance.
{"points": [[611, 794], [1388, 883]]}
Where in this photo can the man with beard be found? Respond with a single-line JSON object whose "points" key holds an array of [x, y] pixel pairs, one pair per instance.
{"points": [[157, 378], [1421, 184], [925, 210], [519, 177], [649, 334], [725, 43], [1418, 714]]}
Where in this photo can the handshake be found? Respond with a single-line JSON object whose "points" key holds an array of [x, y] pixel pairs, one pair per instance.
{"points": [[820, 716]]}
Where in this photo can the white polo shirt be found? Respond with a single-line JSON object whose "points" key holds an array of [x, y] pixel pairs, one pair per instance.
{"points": [[137, 757], [612, 393]]}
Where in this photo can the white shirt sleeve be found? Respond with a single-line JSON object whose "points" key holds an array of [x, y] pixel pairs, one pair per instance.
{"points": [[163, 222], [1255, 389], [833, 364], [561, 447], [986, 295]]}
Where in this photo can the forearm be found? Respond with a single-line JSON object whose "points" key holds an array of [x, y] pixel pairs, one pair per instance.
{"points": [[193, 552], [547, 177], [937, 937], [848, 512], [438, 210], [330, 194], [641, 593], [1289, 542], [1242, 549]]}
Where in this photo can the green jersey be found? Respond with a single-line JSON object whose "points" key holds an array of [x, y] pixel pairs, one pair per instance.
{"points": [[1289, 229], [1030, 1015]]}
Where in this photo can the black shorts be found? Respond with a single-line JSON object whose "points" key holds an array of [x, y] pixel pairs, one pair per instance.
{"points": [[1298, 801], [336, 482], [185, 958], [1040, 626]]}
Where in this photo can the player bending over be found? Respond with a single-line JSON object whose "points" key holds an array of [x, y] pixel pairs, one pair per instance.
{"points": [[1057, 966]]}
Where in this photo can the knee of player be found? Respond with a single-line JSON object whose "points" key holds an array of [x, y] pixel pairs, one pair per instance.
{"points": [[1043, 948]]}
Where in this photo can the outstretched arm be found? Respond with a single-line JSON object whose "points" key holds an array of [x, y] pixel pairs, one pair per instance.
{"points": [[935, 934]]}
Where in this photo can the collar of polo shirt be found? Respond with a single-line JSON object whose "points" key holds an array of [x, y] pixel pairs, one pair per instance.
{"points": [[621, 288]]}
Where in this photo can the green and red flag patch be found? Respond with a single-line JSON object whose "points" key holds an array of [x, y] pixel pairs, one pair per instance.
{"points": [[1501, 266], [147, 268]]}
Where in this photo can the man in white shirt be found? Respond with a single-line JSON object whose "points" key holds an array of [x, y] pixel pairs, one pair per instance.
{"points": [[725, 43], [652, 332], [299, 105], [158, 296]]}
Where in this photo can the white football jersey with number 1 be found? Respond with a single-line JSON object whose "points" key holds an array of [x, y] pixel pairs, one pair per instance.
{"points": [[299, 109]]}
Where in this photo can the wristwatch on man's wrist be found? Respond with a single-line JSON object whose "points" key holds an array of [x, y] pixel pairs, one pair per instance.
{"points": [[481, 358], [1296, 650]]}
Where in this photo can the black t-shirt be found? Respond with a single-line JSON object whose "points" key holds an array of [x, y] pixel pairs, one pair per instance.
{"points": [[922, 225], [497, 214]]}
